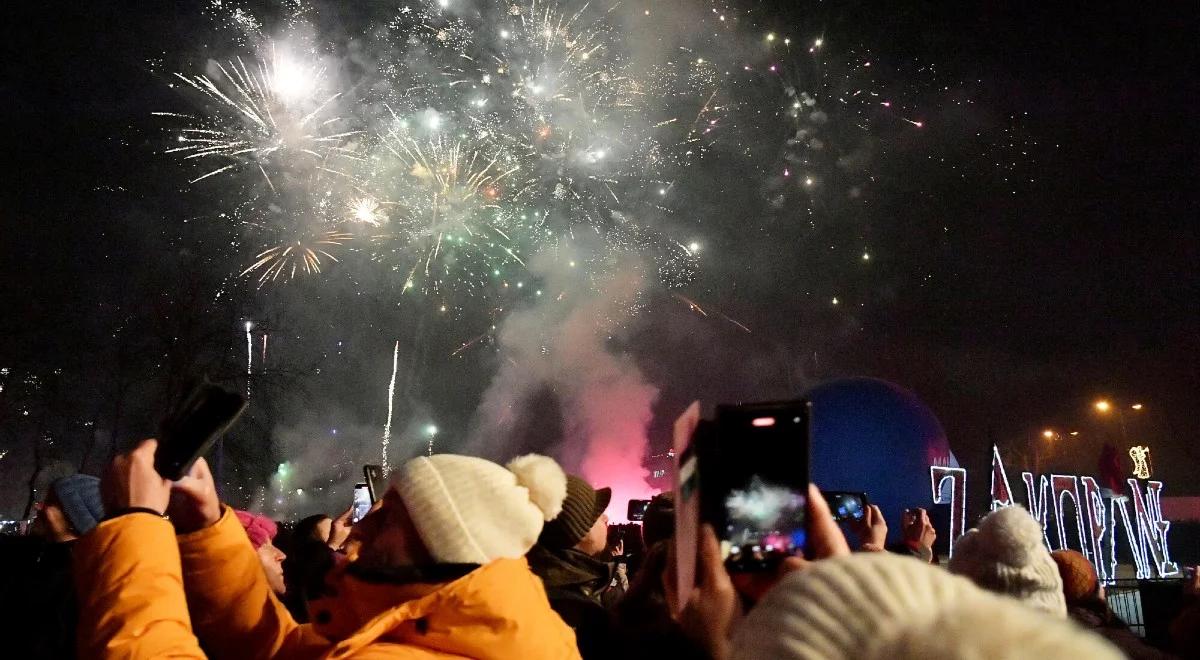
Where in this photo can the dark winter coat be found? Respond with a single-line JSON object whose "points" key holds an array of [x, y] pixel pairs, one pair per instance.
{"points": [[38, 596], [583, 590], [1098, 618]]}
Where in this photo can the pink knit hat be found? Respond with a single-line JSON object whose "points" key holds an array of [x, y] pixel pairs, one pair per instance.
{"points": [[260, 529]]}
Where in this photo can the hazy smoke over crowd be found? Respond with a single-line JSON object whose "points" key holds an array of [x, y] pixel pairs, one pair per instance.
{"points": [[563, 351]]}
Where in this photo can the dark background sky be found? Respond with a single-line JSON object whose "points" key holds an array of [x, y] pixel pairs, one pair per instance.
{"points": [[1008, 305]]}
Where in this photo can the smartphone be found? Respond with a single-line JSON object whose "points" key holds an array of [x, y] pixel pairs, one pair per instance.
{"points": [[362, 502], [687, 500], [376, 484], [637, 509], [191, 428], [846, 505], [754, 483]]}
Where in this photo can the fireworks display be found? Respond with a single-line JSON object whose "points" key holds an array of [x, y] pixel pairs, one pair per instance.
{"points": [[481, 135], [487, 157]]}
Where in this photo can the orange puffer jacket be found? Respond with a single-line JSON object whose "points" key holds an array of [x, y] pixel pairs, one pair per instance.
{"points": [[133, 605]]}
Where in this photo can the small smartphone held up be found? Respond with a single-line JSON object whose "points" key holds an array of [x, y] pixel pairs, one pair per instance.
{"points": [[755, 483], [846, 505], [637, 509], [687, 499], [376, 484], [362, 502], [191, 428]]}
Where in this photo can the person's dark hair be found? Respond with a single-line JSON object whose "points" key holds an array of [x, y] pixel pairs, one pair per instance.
{"points": [[307, 528], [1097, 605], [308, 560], [644, 626], [659, 522]]}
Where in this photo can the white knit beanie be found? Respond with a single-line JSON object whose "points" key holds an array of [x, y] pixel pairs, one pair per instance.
{"points": [[880, 606], [1007, 554], [469, 510]]}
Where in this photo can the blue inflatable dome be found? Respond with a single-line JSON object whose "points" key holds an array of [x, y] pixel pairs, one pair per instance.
{"points": [[873, 436]]}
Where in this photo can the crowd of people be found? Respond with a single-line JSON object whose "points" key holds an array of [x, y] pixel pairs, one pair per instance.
{"points": [[465, 558]]}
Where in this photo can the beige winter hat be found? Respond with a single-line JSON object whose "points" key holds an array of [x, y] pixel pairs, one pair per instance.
{"points": [[1007, 554], [880, 606], [469, 510]]}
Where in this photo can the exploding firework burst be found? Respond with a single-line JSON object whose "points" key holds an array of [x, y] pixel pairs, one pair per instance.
{"points": [[270, 114], [451, 222], [302, 255], [367, 211], [510, 129], [554, 92]]}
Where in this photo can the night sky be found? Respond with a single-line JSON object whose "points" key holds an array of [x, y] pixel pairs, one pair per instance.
{"points": [[1033, 247]]}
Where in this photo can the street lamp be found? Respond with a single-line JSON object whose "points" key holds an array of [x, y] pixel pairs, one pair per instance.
{"points": [[1048, 434], [1104, 407]]}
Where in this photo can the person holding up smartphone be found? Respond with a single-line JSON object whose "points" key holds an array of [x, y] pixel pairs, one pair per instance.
{"points": [[919, 535], [441, 571]]}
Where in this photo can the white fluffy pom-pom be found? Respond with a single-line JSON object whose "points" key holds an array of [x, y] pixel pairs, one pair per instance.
{"points": [[1011, 535], [545, 481]]}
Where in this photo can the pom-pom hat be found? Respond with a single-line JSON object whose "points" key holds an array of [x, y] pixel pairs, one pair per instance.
{"points": [[469, 510], [1078, 575], [581, 509], [880, 606], [260, 529], [1007, 554]]}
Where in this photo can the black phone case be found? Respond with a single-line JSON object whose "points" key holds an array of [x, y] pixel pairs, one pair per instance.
{"points": [[192, 428], [376, 485]]}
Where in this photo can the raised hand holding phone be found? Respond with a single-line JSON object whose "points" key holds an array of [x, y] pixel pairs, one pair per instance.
{"points": [[193, 425], [754, 483], [687, 509], [708, 610], [194, 502], [131, 482]]}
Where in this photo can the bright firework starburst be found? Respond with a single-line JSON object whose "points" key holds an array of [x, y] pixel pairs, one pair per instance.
{"points": [[271, 113], [450, 221], [301, 255], [510, 129]]}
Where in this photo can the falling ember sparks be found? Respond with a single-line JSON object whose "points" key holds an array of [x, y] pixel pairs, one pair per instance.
{"points": [[391, 397], [694, 306], [249, 356]]}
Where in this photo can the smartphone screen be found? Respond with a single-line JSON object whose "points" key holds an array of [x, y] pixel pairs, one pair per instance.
{"points": [[755, 486], [362, 502], [637, 509], [845, 505]]}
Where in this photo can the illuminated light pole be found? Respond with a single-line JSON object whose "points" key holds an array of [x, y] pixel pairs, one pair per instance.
{"points": [[1139, 454], [1050, 435], [1105, 407]]}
